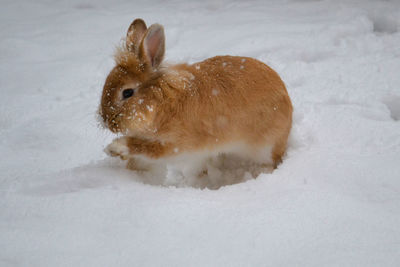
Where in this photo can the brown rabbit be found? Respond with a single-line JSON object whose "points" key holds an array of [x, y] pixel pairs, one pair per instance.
{"points": [[224, 104]]}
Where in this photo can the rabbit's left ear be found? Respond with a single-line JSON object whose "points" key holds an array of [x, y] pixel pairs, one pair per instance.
{"points": [[152, 48], [135, 35]]}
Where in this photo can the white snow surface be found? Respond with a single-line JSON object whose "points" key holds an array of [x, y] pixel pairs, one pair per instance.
{"points": [[335, 200]]}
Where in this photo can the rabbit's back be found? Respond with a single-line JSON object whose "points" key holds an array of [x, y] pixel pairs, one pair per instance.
{"points": [[233, 99]]}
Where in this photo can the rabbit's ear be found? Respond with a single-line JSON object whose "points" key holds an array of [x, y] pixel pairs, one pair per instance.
{"points": [[135, 35], [152, 48]]}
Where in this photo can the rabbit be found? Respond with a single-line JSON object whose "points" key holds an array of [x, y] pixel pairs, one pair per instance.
{"points": [[222, 105]]}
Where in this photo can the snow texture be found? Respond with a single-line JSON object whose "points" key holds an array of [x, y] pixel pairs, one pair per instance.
{"points": [[335, 200]]}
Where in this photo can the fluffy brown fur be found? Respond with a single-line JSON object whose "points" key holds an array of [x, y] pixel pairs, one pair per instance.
{"points": [[209, 105]]}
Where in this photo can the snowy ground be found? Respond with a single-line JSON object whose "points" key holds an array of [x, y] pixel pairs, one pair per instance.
{"points": [[335, 201]]}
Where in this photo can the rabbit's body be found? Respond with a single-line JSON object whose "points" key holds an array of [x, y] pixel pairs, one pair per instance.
{"points": [[224, 104]]}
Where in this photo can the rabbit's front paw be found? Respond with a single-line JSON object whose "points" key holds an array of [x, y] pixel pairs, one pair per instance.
{"points": [[118, 148]]}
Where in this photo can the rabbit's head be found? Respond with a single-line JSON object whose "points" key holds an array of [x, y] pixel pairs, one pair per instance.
{"points": [[131, 91]]}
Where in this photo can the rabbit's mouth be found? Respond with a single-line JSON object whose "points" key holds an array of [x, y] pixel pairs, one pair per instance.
{"points": [[114, 123]]}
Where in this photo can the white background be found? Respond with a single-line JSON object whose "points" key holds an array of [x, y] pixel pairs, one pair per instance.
{"points": [[335, 200]]}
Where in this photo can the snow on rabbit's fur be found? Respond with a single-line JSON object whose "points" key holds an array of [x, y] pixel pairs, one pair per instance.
{"points": [[333, 201]]}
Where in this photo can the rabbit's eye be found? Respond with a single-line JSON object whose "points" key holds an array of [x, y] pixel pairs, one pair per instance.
{"points": [[127, 93]]}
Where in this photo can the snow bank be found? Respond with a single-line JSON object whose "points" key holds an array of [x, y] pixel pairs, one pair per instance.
{"points": [[334, 201]]}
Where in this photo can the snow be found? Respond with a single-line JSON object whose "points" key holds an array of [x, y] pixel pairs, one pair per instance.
{"points": [[215, 92], [335, 200]]}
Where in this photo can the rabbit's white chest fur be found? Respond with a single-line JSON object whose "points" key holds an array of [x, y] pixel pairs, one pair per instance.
{"points": [[192, 163]]}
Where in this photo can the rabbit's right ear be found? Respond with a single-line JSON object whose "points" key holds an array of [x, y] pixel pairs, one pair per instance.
{"points": [[135, 35], [152, 48]]}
